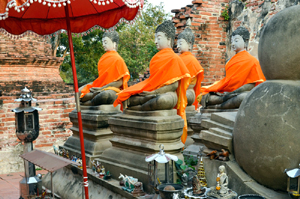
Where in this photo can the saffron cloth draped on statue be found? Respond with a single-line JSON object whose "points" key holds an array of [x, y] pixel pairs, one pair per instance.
{"points": [[111, 67], [196, 71], [165, 68], [241, 69]]}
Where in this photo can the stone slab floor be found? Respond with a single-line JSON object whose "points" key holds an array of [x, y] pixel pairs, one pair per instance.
{"points": [[9, 184]]}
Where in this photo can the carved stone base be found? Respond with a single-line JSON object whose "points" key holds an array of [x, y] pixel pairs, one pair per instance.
{"points": [[95, 131], [190, 112], [138, 134], [207, 132], [215, 194]]}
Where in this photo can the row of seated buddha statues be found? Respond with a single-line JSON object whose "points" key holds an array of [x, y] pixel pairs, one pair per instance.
{"points": [[154, 110], [175, 81]]}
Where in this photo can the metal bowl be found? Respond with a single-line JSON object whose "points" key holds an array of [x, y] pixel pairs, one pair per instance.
{"points": [[169, 194]]}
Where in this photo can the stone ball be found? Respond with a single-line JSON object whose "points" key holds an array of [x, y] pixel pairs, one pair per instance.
{"points": [[279, 45], [266, 136]]}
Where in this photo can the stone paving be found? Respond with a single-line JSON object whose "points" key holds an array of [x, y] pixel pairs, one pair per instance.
{"points": [[9, 184]]}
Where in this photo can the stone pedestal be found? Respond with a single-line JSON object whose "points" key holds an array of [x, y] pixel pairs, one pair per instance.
{"points": [[238, 180], [190, 113], [95, 131], [138, 134], [208, 128]]}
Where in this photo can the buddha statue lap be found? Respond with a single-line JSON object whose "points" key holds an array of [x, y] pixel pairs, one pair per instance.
{"points": [[113, 75], [243, 73]]}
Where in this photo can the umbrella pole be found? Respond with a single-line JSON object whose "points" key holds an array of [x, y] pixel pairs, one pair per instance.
{"points": [[85, 178]]}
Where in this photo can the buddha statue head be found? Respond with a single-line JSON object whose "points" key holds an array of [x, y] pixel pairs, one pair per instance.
{"points": [[239, 39], [221, 169], [165, 35], [186, 40], [110, 41]]}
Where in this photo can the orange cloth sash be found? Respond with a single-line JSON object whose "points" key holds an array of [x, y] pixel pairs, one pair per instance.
{"points": [[165, 68], [241, 69], [196, 71], [111, 67]]}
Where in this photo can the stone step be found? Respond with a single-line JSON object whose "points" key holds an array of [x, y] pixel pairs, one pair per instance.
{"points": [[221, 132], [212, 124], [225, 118], [215, 141]]}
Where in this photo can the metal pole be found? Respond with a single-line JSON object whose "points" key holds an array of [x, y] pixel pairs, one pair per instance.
{"points": [[52, 188], [167, 172], [85, 178], [27, 187], [82, 195]]}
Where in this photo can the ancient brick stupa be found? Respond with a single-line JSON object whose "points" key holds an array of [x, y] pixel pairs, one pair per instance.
{"points": [[29, 62]]}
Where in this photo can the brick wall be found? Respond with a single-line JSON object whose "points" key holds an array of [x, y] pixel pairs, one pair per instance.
{"points": [[212, 32], [28, 62], [54, 120], [253, 14]]}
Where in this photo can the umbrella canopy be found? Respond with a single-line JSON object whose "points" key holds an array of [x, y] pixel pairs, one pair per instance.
{"points": [[44, 17], [161, 156]]}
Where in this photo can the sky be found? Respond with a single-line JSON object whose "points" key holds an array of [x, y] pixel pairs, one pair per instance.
{"points": [[171, 4]]}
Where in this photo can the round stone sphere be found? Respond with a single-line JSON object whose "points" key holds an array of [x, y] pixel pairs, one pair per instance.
{"points": [[279, 45], [266, 135]]}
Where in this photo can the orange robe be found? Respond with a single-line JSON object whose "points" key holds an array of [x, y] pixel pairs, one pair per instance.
{"points": [[111, 67], [196, 71], [241, 69], [165, 68]]}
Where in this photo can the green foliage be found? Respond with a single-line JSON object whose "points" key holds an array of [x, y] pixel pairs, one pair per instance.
{"points": [[225, 14], [181, 168], [87, 50], [38, 168], [136, 46], [190, 162]]}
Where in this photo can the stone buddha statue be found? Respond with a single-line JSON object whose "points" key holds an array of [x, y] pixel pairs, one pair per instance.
{"points": [[221, 190], [243, 73], [158, 92], [185, 44], [223, 180], [113, 75], [169, 79]]}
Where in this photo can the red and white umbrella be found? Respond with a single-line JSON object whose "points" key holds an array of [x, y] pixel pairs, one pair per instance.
{"points": [[22, 17]]}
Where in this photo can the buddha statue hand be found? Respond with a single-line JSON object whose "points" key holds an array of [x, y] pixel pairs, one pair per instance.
{"points": [[203, 99], [229, 96], [148, 93]]}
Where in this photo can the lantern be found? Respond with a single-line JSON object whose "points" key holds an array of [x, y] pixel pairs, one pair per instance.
{"points": [[26, 117], [163, 158], [293, 182], [27, 130]]}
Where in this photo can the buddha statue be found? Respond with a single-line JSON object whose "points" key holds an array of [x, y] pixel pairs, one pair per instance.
{"points": [[113, 75], [197, 189], [221, 190], [243, 73], [223, 180], [185, 44], [169, 79]]}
